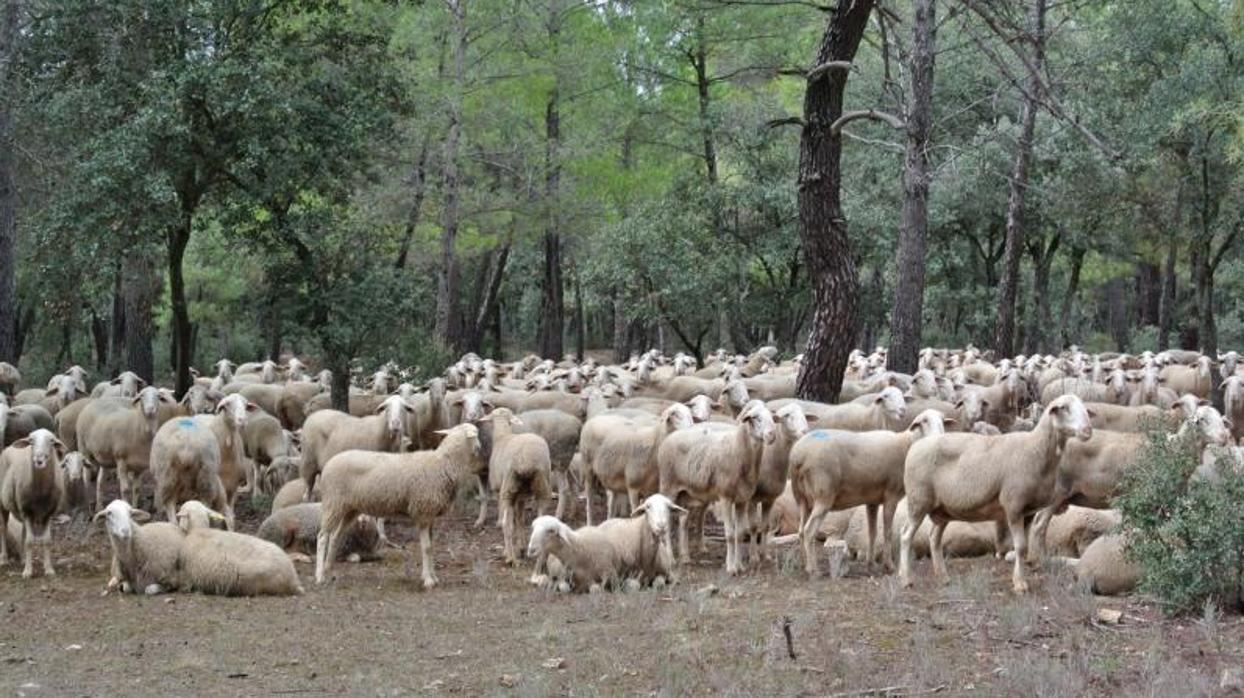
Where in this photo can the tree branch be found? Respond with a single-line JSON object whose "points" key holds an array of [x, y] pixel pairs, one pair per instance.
{"points": [[788, 121], [848, 117], [819, 71]]}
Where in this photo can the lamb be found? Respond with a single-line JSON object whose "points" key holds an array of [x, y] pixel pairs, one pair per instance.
{"points": [[561, 432], [295, 530], [117, 433], [619, 549], [1104, 567], [32, 486], [143, 557], [834, 470], [620, 453], [518, 469], [1189, 379], [884, 411], [185, 462], [228, 563], [419, 485], [969, 477], [721, 466]]}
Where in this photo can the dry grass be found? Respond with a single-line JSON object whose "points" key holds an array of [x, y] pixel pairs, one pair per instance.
{"points": [[374, 631]]}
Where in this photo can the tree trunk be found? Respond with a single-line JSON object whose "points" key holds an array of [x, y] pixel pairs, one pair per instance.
{"points": [[822, 228], [552, 306], [1073, 286], [1036, 336], [1004, 330], [141, 284], [1148, 293], [273, 322], [116, 330], [178, 239], [1166, 311], [99, 337], [488, 304], [8, 187], [418, 187], [1117, 312], [580, 335], [339, 364], [906, 313], [448, 320]]}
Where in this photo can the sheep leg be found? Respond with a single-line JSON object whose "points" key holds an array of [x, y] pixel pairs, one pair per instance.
{"points": [[326, 544], [1019, 539], [609, 513], [807, 537], [1039, 525], [252, 481], [935, 548], [99, 487], [425, 552], [684, 554], [999, 539], [28, 541], [507, 530], [45, 540], [563, 493], [909, 535], [483, 503], [870, 511], [887, 533], [587, 495], [124, 486]]}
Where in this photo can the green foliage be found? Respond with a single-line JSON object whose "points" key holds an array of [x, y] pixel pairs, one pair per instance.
{"points": [[1187, 535]]}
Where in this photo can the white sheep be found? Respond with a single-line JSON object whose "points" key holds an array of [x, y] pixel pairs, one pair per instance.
{"points": [[117, 433], [771, 478], [618, 550], [420, 486], [835, 470], [518, 469], [720, 466], [144, 558], [32, 486], [1104, 567], [882, 410], [185, 462], [296, 529], [228, 563], [969, 477], [620, 453]]}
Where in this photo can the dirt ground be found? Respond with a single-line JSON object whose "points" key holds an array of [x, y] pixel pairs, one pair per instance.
{"points": [[485, 631]]}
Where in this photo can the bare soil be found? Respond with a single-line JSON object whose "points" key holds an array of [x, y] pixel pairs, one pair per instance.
{"points": [[485, 631]]}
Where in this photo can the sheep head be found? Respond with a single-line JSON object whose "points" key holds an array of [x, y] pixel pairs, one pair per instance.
{"points": [[657, 510], [1070, 417], [972, 407], [794, 421], [119, 519], [1211, 427], [701, 408], [758, 421], [201, 400], [45, 448], [195, 514], [545, 532], [677, 416], [129, 383], [892, 401], [930, 422], [395, 410]]}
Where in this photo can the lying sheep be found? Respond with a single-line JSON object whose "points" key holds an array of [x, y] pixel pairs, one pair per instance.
{"points": [[32, 486], [835, 470], [969, 477], [144, 558], [591, 557], [296, 528], [519, 469], [276, 474], [228, 563], [1071, 532], [420, 486], [1104, 567], [960, 539]]}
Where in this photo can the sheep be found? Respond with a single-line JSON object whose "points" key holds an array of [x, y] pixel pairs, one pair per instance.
{"points": [[518, 469], [292, 405], [20, 421], [185, 462], [1072, 531], [834, 470], [294, 492], [1233, 404], [143, 557], [721, 466], [295, 529], [63, 391], [117, 433], [1148, 389], [1104, 567], [126, 384], [267, 396], [32, 485], [1082, 388], [885, 410], [774, 464], [969, 477], [619, 549], [420, 486], [620, 453], [200, 400], [228, 563], [263, 441], [1108, 417], [384, 431], [10, 378], [1182, 379], [280, 471], [961, 538], [561, 432], [683, 388], [75, 497], [316, 433]]}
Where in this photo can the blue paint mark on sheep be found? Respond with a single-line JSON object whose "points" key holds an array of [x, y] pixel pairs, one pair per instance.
{"points": [[818, 434], [185, 423]]}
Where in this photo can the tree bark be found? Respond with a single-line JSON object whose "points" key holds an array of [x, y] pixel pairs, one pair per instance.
{"points": [[906, 315], [580, 318], [822, 228], [99, 337], [1004, 330], [1166, 311], [178, 239], [141, 284], [116, 330], [8, 187], [418, 188], [1073, 287], [1036, 337], [552, 305], [490, 297], [1117, 312], [448, 316]]}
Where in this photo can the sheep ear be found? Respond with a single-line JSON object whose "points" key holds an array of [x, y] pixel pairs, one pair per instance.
{"points": [[456, 402], [115, 381], [1091, 412], [23, 442], [985, 404], [959, 405], [138, 515], [1202, 403], [99, 515], [251, 407], [444, 432], [51, 392], [59, 447], [951, 421], [642, 508], [675, 507], [811, 418]]}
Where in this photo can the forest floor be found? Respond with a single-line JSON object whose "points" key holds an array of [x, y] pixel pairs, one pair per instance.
{"points": [[485, 631]]}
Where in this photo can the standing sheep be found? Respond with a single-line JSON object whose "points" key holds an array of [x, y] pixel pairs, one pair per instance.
{"points": [[31, 488], [185, 462], [561, 432], [969, 477], [10, 378], [264, 440], [620, 450], [117, 433], [518, 469], [774, 466], [420, 486]]}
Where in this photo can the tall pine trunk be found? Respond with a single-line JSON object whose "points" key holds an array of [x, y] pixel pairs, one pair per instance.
{"points": [[822, 227], [448, 316], [8, 187], [178, 239], [1004, 330], [907, 311], [550, 341], [1166, 311], [140, 285]]}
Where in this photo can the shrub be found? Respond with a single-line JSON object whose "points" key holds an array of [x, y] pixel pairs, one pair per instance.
{"points": [[1186, 534]]}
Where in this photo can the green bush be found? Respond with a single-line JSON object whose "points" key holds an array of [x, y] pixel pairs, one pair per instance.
{"points": [[1187, 534]]}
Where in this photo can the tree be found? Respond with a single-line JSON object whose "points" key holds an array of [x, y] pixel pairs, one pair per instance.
{"points": [[9, 13], [448, 312], [822, 227], [906, 316]]}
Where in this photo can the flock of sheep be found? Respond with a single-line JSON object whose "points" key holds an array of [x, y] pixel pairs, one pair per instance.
{"points": [[967, 456]]}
